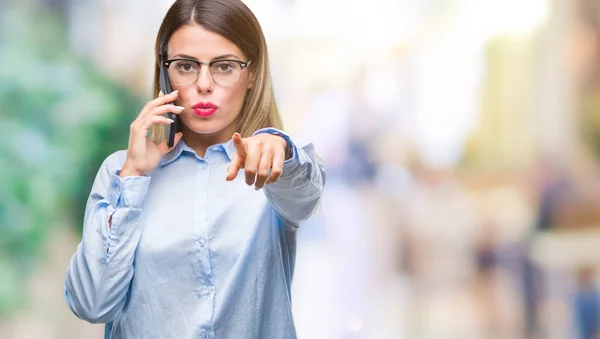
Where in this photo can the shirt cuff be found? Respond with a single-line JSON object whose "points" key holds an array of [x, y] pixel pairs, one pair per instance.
{"points": [[288, 139], [128, 191]]}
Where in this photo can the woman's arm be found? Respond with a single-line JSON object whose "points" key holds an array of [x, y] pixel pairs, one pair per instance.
{"points": [[98, 276], [298, 191]]}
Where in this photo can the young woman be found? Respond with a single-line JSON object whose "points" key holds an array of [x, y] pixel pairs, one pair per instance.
{"points": [[176, 244]]}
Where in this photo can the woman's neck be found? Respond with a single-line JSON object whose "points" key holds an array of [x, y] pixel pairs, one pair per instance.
{"points": [[201, 142]]}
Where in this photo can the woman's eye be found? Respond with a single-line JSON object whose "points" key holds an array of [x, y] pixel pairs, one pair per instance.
{"points": [[185, 67], [223, 67]]}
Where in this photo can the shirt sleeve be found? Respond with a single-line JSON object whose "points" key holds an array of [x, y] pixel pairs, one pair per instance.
{"points": [[296, 195], [99, 273]]}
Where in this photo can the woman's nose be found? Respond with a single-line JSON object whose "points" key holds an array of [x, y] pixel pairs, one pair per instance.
{"points": [[205, 82]]}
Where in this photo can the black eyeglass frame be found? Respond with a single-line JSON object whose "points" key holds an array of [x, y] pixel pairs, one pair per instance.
{"points": [[243, 65]]}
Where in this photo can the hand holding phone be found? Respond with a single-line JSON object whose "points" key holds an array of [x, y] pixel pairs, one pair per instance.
{"points": [[143, 155]]}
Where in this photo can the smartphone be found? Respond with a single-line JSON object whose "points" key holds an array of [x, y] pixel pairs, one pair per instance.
{"points": [[164, 84]]}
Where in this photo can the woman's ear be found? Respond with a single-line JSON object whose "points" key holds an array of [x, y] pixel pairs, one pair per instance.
{"points": [[251, 80]]}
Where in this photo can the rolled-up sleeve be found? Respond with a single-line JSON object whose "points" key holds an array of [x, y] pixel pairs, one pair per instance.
{"points": [[296, 195], [99, 273]]}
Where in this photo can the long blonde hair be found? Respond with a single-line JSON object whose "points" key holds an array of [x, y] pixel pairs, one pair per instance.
{"points": [[233, 20]]}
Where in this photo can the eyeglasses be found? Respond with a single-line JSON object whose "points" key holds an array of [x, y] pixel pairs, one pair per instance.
{"points": [[185, 72]]}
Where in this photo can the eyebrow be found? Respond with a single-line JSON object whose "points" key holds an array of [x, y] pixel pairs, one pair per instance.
{"points": [[224, 56]]}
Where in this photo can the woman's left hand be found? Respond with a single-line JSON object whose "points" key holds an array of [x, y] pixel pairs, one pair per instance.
{"points": [[261, 156]]}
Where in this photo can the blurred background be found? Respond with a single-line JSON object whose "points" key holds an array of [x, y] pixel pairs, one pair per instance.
{"points": [[461, 138]]}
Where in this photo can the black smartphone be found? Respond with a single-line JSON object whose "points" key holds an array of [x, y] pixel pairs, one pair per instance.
{"points": [[164, 84]]}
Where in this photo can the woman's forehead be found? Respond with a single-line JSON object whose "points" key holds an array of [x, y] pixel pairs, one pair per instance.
{"points": [[200, 43]]}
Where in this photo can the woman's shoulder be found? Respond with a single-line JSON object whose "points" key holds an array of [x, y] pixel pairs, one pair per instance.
{"points": [[111, 164], [114, 161]]}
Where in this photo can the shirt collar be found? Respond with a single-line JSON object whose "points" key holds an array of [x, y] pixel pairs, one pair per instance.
{"points": [[183, 147]]}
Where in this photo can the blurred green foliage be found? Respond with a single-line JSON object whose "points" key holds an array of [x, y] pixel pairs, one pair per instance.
{"points": [[59, 119]]}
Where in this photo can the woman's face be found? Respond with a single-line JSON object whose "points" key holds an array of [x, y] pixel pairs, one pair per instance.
{"points": [[193, 41]]}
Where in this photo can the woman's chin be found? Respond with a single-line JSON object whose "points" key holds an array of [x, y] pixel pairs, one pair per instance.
{"points": [[207, 128]]}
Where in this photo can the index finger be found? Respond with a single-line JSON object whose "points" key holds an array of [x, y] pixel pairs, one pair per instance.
{"points": [[159, 101], [239, 144], [164, 99]]}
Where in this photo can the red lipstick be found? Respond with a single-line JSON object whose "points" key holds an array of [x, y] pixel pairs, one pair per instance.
{"points": [[205, 109]]}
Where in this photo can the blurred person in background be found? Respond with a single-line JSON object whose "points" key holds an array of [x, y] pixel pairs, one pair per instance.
{"points": [[486, 258], [553, 188], [167, 239], [586, 305]]}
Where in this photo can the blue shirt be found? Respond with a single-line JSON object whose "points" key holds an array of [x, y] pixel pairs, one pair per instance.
{"points": [[190, 255]]}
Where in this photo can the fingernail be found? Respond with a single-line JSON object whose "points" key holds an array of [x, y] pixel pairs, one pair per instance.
{"points": [[160, 93], [175, 91], [181, 108], [171, 120]]}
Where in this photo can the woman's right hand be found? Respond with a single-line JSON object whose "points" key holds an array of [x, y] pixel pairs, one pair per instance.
{"points": [[142, 154]]}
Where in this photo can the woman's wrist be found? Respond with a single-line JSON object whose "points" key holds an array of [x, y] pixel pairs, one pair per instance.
{"points": [[128, 172], [288, 149]]}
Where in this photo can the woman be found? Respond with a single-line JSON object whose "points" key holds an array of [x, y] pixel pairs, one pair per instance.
{"points": [[176, 244]]}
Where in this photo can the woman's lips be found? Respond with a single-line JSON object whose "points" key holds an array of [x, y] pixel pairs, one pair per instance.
{"points": [[205, 109], [205, 112]]}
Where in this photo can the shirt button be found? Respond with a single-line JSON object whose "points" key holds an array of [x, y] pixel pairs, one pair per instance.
{"points": [[207, 291], [202, 242]]}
